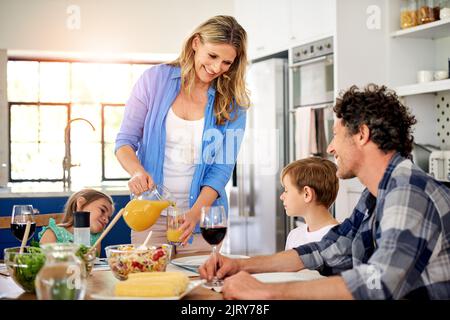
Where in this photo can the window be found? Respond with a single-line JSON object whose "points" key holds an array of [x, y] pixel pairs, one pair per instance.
{"points": [[88, 98]]}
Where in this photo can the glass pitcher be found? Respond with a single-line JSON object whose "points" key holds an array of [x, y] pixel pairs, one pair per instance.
{"points": [[142, 211], [63, 276], [157, 192]]}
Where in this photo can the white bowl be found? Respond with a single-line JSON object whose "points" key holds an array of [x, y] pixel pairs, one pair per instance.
{"points": [[440, 75], [424, 76]]}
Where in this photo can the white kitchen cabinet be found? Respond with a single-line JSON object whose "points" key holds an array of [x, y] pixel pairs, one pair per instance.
{"points": [[360, 58], [424, 47], [311, 20], [266, 23], [277, 25], [347, 198]]}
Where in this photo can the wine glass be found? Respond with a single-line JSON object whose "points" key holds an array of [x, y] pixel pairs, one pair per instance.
{"points": [[21, 214], [213, 224]]}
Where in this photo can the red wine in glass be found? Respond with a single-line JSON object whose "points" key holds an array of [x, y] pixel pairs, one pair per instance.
{"points": [[18, 230], [22, 214], [214, 235], [213, 224]]}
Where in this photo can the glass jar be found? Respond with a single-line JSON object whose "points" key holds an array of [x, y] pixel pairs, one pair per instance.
{"points": [[436, 9], [444, 12], [408, 14], [63, 276], [425, 11]]}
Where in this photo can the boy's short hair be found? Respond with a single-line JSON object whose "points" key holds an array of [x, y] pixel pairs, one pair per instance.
{"points": [[316, 173]]}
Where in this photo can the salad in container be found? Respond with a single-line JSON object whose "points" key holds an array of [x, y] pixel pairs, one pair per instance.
{"points": [[23, 267], [124, 259]]}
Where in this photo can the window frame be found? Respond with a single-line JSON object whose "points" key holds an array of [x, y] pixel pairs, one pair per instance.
{"points": [[12, 103], [103, 106], [69, 107]]}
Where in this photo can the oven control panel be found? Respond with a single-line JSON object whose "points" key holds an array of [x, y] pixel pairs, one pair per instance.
{"points": [[312, 50]]}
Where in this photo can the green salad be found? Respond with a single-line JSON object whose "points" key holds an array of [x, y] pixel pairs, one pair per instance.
{"points": [[25, 267], [88, 259], [82, 253]]}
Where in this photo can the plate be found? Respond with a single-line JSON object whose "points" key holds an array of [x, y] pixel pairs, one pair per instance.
{"points": [[274, 277], [190, 272], [197, 261], [100, 262], [109, 294]]}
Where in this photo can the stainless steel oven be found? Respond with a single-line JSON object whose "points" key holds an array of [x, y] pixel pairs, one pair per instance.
{"points": [[312, 74], [311, 98], [311, 77]]}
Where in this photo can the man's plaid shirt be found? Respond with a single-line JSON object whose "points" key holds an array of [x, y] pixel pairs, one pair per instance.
{"points": [[394, 246]]}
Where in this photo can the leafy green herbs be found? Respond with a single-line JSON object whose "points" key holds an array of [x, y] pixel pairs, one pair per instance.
{"points": [[26, 266]]}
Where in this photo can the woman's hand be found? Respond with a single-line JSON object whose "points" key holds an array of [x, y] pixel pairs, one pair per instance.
{"points": [[188, 226], [140, 182]]}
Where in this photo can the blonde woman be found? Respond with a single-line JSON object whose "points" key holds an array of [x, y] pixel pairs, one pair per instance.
{"points": [[183, 125]]}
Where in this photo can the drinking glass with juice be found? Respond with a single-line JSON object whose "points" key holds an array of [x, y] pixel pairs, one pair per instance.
{"points": [[175, 218]]}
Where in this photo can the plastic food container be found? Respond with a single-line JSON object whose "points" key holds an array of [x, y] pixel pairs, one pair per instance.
{"points": [[124, 259]]}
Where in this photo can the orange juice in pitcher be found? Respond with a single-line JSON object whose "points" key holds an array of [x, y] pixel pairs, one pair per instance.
{"points": [[142, 214]]}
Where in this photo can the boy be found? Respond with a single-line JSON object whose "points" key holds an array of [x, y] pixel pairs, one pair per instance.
{"points": [[310, 188]]}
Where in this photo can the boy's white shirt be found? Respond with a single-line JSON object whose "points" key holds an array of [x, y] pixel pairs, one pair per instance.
{"points": [[301, 235]]}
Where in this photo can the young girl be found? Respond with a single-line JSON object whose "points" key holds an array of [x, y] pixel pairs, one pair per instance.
{"points": [[99, 205]]}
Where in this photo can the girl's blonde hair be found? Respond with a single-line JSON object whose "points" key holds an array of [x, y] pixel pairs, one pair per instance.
{"points": [[230, 86], [90, 195]]}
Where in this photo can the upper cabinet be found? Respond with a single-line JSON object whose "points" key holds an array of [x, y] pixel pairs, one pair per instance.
{"points": [[413, 52], [432, 41], [276, 25], [371, 47], [433, 30], [311, 20], [266, 23]]}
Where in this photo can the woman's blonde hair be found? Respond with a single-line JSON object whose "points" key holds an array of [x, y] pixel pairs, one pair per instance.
{"points": [[230, 86], [90, 195]]}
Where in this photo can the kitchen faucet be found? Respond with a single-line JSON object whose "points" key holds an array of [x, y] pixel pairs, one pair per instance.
{"points": [[67, 161]]}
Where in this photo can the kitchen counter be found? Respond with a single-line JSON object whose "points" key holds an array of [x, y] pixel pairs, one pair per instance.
{"points": [[55, 189]]}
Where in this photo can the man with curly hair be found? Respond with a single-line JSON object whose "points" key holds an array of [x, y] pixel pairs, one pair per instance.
{"points": [[396, 243]]}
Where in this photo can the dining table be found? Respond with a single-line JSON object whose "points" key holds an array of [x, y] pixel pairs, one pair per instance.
{"points": [[102, 280]]}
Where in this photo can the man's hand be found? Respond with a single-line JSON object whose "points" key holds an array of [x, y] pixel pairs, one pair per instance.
{"points": [[226, 265], [140, 182], [243, 286]]}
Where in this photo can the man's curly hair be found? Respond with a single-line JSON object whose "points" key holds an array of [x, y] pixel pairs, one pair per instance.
{"points": [[379, 108]]}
